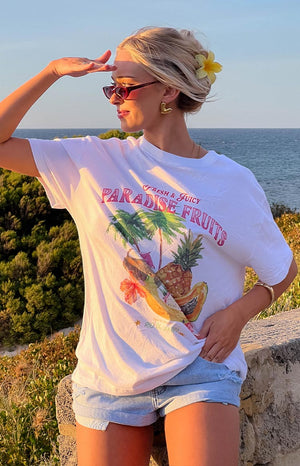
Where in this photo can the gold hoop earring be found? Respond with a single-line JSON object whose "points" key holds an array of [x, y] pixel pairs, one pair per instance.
{"points": [[164, 109]]}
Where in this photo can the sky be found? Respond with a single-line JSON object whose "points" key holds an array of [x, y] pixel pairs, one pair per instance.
{"points": [[256, 41]]}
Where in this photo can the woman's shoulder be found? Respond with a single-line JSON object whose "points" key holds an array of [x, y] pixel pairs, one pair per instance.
{"points": [[113, 142], [92, 145], [232, 169], [237, 181]]}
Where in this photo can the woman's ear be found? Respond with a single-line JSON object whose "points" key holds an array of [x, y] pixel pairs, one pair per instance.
{"points": [[170, 94]]}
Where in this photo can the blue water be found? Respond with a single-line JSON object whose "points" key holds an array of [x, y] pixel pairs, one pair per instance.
{"points": [[273, 155]]}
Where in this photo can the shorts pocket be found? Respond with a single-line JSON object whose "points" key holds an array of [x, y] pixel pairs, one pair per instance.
{"points": [[77, 391]]}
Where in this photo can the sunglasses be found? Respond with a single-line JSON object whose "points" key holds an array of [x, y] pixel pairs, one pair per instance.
{"points": [[122, 92]]}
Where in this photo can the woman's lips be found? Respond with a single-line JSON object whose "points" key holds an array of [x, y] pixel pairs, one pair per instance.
{"points": [[122, 114]]}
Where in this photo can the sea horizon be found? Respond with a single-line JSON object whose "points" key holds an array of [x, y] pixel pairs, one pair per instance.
{"points": [[272, 154]]}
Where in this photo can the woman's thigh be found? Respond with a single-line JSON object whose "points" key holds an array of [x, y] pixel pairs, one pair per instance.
{"points": [[203, 434], [117, 445]]}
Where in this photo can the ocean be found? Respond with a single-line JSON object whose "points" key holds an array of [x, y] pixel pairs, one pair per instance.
{"points": [[273, 155]]}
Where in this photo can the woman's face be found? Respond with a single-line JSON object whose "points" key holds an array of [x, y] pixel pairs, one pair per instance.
{"points": [[141, 109]]}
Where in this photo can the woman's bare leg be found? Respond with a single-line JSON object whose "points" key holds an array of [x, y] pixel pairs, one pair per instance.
{"points": [[203, 434], [119, 445]]}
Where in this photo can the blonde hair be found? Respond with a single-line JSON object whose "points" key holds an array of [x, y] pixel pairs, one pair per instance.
{"points": [[169, 54]]}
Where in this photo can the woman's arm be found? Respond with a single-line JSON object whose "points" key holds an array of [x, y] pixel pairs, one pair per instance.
{"points": [[222, 330], [15, 154]]}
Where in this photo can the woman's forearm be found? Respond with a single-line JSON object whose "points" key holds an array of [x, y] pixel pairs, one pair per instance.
{"points": [[259, 298], [15, 106]]}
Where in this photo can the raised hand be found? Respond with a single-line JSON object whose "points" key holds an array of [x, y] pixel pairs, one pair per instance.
{"points": [[76, 66], [15, 154]]}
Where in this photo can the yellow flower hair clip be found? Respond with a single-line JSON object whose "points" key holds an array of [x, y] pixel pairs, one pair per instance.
{"points": [[208, 67]]}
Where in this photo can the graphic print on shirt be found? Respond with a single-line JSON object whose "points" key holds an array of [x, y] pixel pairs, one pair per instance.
{"points": [[167, 290]]}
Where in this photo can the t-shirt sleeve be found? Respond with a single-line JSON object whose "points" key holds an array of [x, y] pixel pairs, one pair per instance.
{"points": [[254, 239], [59, 162], [57, 171], [271, 256], [267, 250]]}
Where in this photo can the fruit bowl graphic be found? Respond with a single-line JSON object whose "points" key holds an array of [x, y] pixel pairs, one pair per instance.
{"points": [[192, 303], [147, 285]]}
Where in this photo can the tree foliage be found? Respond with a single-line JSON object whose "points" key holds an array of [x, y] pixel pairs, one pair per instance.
{"points": [[41, 284], [29, 380], [116, 133]]}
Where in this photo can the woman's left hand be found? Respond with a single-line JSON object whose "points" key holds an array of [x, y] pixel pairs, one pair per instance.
{"points": [[222, 332]]}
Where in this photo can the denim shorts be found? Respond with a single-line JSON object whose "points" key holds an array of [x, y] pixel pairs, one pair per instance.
{"points": [[200, 381]]}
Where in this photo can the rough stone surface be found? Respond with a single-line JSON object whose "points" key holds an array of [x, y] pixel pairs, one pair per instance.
{"points": [[270, 399], [273, 331], [290, 459]]}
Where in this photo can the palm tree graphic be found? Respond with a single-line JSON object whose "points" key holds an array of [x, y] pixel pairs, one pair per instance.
{"points": [[167, 224], [130, 227]]}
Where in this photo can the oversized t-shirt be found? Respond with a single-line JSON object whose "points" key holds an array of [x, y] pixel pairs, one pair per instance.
{"points": [[165, 241]]}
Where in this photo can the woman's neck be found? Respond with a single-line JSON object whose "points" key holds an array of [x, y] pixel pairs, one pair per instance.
{"points": [[174, 137]]}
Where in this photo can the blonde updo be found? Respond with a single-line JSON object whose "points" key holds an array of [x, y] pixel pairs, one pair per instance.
{"points": [[169, 56]]}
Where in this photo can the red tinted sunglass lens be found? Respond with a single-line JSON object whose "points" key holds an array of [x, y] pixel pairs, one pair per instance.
{"points": [[108, 91], [121, 92]]}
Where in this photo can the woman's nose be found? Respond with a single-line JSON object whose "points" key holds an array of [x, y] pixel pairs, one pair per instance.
{"points": [[115, 100]]}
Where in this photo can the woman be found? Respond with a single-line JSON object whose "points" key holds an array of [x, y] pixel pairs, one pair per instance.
{"points": [[166, 229]]}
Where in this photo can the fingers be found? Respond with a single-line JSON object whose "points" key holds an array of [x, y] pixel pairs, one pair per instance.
{"points": [[205, 329], [222, 332], [100, 63], [214, 354], [80, 66], [94, 67], [104, 57], [214, 349], [203, 332]]}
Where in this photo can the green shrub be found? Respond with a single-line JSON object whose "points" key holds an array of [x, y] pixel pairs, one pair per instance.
{"points": [[28, 426], [40, 263], [116, 133], [279, 209], [289, 224]]}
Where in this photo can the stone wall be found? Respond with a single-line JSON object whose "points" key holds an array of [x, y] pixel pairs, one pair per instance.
{"points": [[270, 399]]}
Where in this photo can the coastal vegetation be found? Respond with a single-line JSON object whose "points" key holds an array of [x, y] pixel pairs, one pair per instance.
{"points": [[28, 382], [289, 224], [41, 284], [41, 290]]}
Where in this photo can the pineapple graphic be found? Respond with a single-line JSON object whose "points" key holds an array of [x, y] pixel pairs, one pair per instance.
{"points": [[177, 276]]}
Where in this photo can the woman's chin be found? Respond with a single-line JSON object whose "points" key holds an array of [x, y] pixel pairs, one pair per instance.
{"points": [[128, 128]]}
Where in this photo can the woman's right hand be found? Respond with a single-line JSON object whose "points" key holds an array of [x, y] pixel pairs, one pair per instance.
{"points": [[15, 154], [76, 66]]}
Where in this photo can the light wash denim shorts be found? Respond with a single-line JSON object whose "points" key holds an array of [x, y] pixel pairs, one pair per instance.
{"points": [[200, 381]]}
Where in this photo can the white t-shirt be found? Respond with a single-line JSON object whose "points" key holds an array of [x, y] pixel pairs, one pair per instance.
{"points": [[145, 216]]}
